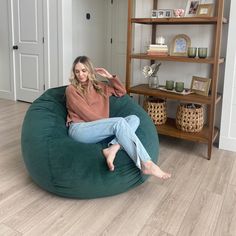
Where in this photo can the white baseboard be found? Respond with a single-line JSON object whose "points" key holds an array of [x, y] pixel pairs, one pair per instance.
{"points": [[6, 95], [228, 144]]}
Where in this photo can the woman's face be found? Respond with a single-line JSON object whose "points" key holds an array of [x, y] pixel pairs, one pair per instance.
{"points": [[81, 72]]}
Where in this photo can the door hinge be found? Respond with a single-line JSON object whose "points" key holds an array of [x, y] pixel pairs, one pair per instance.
{"points": [[111, 40], [44, 87], [43, 39], [111, 1]]}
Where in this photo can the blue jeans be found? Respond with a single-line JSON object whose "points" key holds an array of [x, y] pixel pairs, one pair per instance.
{"points": [[122, 128]]}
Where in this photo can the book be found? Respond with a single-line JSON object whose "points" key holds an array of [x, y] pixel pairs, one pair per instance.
{"points": [[158, 49], [155, 53], [158, 45]]}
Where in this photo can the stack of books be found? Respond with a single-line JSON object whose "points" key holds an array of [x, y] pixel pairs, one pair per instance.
{"points": [[158, 50]]}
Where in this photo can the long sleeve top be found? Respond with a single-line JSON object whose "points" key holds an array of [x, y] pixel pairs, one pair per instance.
{"points": [[92, 105]]}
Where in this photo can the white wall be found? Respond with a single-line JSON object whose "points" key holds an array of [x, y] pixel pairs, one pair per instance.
{"points": [[90, 35], [65, 40], [228, 122], [51, 35]]}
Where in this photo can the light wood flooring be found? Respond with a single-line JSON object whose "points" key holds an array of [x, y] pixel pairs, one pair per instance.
{"points": [[199, 199]]}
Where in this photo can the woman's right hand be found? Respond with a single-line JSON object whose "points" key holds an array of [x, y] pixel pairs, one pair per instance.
{"points": [[103, 72]]}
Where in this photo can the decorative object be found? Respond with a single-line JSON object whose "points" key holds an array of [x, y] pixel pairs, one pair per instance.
{"points": [[164, 13], [153, 82], [161, 14], [192, 52], [168, 13], [189, 117], [179, 45], [185, 92], [169, 84], [59, 164], [150, 72], [200, 85], [202, 52], [191, 8], [178, 12], [179, 87], [154, 14], [159, 49], [156, 109], [160, 40], [205, 10]]}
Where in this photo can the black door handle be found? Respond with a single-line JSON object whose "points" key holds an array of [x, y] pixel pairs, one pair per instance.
{"points": [[15, 47]]}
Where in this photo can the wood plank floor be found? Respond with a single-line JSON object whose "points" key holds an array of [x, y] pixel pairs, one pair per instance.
{"points": [[199, 199]]}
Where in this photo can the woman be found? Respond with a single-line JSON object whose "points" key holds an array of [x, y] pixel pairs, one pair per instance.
{"points": [[88, 119]]}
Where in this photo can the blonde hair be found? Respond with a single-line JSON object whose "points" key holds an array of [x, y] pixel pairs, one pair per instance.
{"points": [[91, 75]]}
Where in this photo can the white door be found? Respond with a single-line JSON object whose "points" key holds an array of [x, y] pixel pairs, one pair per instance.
{"points": [[28, 48], [119, 37]]}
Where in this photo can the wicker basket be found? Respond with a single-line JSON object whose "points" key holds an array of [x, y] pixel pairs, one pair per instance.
{"points": [[189, 117], [156, 109]]}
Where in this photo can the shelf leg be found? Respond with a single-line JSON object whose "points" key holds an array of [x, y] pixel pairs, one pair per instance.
{"points": [[209, 151]]}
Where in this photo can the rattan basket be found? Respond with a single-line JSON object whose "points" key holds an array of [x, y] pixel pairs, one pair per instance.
{"points": [[156, 109], [189, 117]]}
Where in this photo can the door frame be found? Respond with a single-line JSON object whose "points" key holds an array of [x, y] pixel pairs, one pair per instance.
{"points": [[11, 93], [46, 47], [227, 140]]}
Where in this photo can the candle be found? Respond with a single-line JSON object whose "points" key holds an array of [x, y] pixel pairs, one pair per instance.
{"points": [[179, 87], [192, 51], [202, 52], [169, 84], [160, 40]]}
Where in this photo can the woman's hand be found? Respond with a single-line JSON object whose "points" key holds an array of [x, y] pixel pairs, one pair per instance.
{"points": [[103, 72]]}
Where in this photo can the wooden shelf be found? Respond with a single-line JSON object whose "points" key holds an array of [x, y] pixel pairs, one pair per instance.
{"points": [[145, 90], [208, 60], [209, 132], [183, 20], [169, 129]]}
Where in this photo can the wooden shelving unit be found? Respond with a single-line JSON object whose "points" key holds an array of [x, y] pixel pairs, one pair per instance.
{"points": [[209, 132]]}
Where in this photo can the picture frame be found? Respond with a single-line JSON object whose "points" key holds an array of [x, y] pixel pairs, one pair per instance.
{"points": [[154, 14], [168, 13], [161, 13], [205, 9], [192, 7], [200, 85], [179, 45]]}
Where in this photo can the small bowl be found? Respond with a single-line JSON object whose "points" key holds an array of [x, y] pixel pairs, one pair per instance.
{"points": [[178, 12]]}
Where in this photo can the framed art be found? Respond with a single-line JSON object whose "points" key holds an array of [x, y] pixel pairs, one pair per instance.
{"points": [[161, 13], [191, 8], [168, 13], [179, 45], [154, 14], [205, 10], [200, 85]]}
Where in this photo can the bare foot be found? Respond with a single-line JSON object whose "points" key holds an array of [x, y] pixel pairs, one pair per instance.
{"points": [[110, 155], [150, 168]]}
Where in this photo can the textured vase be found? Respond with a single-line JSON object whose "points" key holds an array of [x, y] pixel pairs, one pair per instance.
{"points": [[153, 82]]}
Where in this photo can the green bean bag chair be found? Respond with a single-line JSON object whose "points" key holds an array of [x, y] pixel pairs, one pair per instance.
{"points": [[68, 168]]}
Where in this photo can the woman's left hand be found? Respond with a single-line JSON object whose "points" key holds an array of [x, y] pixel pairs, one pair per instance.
{"points": [[103, 72]]}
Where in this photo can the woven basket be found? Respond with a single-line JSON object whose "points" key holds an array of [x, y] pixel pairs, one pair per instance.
{"points": [[189, 117], [156, 109]]}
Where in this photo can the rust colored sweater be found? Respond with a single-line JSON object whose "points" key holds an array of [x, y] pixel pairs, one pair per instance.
{"points": [[91, 106]]}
